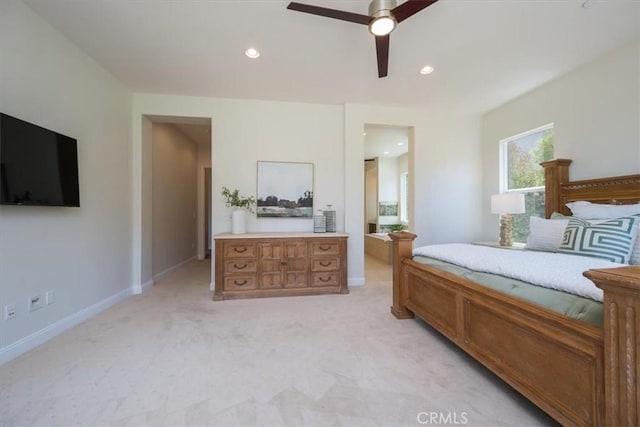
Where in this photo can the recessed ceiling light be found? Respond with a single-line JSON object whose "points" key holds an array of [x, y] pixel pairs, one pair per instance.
{"points": [[400, 143], [385, 152], [427, 69], [364, 133], [252, 53]]}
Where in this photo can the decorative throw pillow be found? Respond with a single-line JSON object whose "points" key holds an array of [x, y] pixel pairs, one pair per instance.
{"points": [[634, 259], [588, 210], [546, 234], [612, 240]]}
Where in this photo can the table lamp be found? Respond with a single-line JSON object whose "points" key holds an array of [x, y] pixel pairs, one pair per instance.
{"points": [[506, 204]]}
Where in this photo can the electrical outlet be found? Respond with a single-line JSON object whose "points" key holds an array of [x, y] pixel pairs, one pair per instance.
{"points": [[9, 311], [50, 297], [35, 303]]}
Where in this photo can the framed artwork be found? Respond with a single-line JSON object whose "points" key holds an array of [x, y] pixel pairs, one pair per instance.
{"points": [[285, 190], [388, 209]]}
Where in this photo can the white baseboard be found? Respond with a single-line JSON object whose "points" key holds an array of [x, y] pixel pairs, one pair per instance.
{"points": [[355, 281], [30, 342], [170, 270], [138, 289]]}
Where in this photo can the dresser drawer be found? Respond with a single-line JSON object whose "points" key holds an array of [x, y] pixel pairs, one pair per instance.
{"points": [[240, 266], [325, 279], [239, 250], [326, 247], [325, 264], [240, 283]]}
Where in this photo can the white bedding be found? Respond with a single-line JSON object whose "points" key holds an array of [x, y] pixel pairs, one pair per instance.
{"points": [[550, 270]]}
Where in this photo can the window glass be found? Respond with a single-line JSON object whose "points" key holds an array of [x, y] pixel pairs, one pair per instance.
{"points": [[521, 172]]}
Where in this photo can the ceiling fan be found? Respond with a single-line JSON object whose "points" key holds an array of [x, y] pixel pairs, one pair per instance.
{"points": [[383, 17]]}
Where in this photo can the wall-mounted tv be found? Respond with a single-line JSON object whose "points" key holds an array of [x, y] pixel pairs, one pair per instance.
{"points": [[38, 167]]}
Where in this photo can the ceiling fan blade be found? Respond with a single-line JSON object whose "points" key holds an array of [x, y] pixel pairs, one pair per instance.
{"points": [[330, 13], [410, 8], [382, 49]]}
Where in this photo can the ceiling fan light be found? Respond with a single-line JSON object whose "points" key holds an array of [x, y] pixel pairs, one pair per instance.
{"points": [[383, 25]]}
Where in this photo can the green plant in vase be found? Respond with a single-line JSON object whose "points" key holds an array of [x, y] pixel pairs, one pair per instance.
{"points": [[240, 205], [233, 199]]}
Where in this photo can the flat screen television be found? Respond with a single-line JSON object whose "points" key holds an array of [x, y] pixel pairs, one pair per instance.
{"points": [[38, 167]]}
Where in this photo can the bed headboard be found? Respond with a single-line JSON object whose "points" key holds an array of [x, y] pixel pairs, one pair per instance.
{"points": [[559, 190]]}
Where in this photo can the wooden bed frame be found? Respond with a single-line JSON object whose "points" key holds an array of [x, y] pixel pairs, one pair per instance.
{"points": [[578, 373]]}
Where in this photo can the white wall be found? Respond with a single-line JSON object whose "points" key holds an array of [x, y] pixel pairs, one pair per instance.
{"points": [[596, 122], [174, 204], [388, 185], [204, 161], [243, 132], [403, 167], [83, 254], [371, 193]]}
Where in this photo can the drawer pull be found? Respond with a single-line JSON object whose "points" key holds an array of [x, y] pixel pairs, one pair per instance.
{"points": [[283, 263], [324, 248], [240, 267], [325, 263], [322, 279], [237, 283], [240, 250]]}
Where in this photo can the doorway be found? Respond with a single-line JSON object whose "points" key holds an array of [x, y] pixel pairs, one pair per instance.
{"points": [[174, 154], [386, 158]]}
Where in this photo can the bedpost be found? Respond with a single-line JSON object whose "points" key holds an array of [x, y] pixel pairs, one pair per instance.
{"points": [[621, 312], [402, 248], [556, 172]]}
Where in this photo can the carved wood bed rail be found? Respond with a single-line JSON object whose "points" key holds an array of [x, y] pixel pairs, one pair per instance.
{"points": [[576, 372]]}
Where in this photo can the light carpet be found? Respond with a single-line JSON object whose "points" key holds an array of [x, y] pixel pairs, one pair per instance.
{"points": [[172, 357]]}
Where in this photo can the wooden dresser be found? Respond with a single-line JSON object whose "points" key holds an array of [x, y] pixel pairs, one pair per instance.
{"points": [[257, 265]]}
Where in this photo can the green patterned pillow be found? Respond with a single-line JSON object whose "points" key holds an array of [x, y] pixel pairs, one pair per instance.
{"points": [[611, 240]]}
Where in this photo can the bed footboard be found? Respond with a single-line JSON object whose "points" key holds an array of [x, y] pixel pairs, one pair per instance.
{"points": [[402, 244], [621, 288], [578, 373]]}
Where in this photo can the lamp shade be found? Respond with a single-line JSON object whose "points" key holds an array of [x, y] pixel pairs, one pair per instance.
{"points": [[507, 203]]}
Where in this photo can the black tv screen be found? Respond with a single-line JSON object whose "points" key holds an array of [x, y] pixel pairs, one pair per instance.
{"points": [[37, 166]]}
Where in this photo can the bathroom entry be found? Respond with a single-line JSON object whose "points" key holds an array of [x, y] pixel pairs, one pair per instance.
{"points": [[386, 178]]}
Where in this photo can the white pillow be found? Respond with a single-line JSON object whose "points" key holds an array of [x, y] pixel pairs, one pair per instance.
{"points": [[588, 210], [545, 234]]}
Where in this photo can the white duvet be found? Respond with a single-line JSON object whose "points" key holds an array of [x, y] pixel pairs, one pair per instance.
{"points": [[550, 270]]}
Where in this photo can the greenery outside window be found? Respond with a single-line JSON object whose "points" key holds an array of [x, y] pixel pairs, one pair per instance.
{"points": [[520, 172]]}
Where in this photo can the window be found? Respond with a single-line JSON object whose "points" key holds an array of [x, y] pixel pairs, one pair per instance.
{"points": [[404, 191], [520, 172]]}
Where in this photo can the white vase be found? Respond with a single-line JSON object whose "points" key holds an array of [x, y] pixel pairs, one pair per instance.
{"points": [[238, 221]]}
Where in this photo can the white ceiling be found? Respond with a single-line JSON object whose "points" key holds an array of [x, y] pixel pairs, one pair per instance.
{"points": [[485, 52], [384, 141], [200, 134]]}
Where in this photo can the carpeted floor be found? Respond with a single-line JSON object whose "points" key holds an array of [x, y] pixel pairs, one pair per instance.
{"points": [[172, 357]]}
